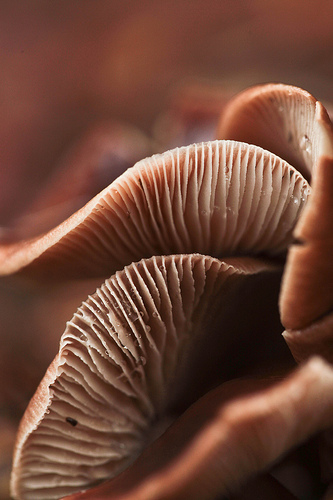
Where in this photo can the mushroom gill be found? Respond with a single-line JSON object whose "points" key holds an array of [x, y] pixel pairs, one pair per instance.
{"points": [[217, 198], [134, 356]]}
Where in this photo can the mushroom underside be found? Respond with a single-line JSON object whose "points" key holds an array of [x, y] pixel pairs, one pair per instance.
{"points": [[219, 198], [150, 342]]}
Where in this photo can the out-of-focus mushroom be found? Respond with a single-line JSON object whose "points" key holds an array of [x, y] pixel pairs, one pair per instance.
{"points": [[306, 299], [307, 290], [191, 115], [136, 354], [96, 159], [219, 198]]}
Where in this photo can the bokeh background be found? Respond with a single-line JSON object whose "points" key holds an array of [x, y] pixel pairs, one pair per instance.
{"points": [[68, 66]]}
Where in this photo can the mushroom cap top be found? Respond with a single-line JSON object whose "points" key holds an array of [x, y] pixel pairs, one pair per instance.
{"points": [[217, 198], [126, 362]]}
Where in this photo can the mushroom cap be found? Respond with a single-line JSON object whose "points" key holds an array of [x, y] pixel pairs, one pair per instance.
{"points": [[217, 198], [307, 287], [313, 339], [284, 119], [135, 354]]}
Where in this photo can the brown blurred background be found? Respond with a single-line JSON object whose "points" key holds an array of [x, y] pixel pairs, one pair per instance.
{"points": [[66, 64]]}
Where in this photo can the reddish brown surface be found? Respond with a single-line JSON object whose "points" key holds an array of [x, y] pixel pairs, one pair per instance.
{"points": [[66, 65]]}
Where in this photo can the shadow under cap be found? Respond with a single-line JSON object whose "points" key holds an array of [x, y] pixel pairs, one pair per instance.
{"points": [[244, 435]]}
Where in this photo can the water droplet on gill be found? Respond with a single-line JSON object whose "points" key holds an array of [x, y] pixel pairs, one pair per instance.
{"points": [[295, 200], [230, 211], [281, 109], [204, 212], [226, 169], [142, 313], [148, 328], [143, 360], [161, 268], [217, 208], [305, 144], [83, 337], [155, 314], [303, 195]]}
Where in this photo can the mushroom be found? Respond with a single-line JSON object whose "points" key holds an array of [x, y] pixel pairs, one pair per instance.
{"points": [[219, 198], [133, 357]]}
